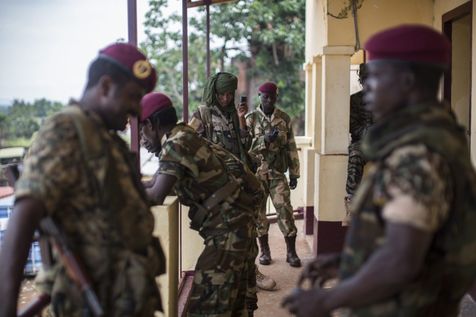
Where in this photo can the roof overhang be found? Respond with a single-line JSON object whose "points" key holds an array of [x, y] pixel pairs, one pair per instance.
{"points": [[199, 3]]}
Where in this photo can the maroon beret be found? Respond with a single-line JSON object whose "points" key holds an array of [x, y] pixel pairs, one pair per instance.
{"points": [[268, 88], [154, 102], [410, 43], [131, 60]]}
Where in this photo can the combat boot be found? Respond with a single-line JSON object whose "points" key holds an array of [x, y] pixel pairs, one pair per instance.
{"points": [[265, 257], [264, 282], [291, 256]]}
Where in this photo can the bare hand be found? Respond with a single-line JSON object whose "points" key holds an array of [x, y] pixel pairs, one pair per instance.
{"points": [[271, 136], [242, 109], [321, 269], [306, 303]]}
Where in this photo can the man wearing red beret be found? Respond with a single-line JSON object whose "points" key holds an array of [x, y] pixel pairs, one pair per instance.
{"points": [[219, 121], [411, 243], [274, 151], [79, 175], [221, 193]]}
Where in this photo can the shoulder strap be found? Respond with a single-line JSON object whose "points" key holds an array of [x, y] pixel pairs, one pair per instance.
{"points": [[206, 116]]}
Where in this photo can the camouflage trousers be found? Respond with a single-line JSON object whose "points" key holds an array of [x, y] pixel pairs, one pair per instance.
{"points": [[277, 188], [225, 279]]}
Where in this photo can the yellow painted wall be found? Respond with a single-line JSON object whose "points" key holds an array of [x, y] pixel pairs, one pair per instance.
{"points": [[315, 28], [374, 15], [166, 218]]}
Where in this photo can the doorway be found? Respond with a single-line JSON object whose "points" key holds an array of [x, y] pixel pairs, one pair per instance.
{"points": [[457, 25]]}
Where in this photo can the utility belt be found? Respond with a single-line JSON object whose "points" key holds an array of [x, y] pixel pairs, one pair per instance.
{"points": [[203, 210]]}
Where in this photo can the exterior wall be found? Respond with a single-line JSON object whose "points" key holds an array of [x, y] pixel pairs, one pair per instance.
{"points": [[330, 42], [440, 8], [167, 229]]}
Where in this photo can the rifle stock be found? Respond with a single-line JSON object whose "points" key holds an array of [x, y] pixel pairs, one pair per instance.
{"points": [[72, 264]]}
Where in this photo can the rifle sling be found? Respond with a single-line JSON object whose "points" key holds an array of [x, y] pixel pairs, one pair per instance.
{"points": [[211, 202]]}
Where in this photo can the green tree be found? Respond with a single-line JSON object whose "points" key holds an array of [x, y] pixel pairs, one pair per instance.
{"points": [[274, 33], [266, 37], [23, 119], [3, 122]]}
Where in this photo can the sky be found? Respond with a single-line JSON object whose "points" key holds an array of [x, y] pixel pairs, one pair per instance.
{"points": [[47, 45]]}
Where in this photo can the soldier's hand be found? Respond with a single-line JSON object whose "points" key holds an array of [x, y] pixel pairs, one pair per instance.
{"points": [[242, 109], [306, 303], [271, 136], [292, 182], [320, 270]]}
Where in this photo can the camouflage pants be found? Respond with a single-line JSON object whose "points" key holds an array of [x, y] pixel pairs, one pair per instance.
{"points": [[278, 189], [225, 279]]}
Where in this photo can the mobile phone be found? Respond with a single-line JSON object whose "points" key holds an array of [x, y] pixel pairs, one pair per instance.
{"points": [[243, 99]]}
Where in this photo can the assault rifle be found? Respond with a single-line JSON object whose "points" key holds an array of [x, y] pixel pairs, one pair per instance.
{"points": [[51, 236]]}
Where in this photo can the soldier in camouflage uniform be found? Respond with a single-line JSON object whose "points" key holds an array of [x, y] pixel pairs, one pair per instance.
{"points": [[273, 149], [359, 123], [220, 122], [221, 193], [79, 172], [411, 245]]}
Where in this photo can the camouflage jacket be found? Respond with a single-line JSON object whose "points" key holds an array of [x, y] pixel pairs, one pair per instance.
{"points": [[419, 154], [360, 118], [221, 128], [201, 169], [278, 156], [97, 200]]}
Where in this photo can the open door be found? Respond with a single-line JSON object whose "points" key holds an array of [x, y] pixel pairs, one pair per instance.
{"points": [[457, 82]]}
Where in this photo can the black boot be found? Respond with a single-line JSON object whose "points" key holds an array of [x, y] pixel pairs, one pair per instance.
{"points": [[291, 256], [265, 257]]}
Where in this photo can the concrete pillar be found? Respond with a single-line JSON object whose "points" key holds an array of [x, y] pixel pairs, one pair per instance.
{"points": [[332, 140], [313, 100], [335, 99]]}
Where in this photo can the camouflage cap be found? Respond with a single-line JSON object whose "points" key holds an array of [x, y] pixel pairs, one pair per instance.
{"points": [[132, 61]]}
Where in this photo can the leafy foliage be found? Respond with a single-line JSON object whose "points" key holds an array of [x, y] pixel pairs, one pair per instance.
{"points": [[264, 38], [23, 119]]}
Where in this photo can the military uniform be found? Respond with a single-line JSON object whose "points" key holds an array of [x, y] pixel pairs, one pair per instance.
{"points": [[221, 127], [273, 160], [224, 282], [418, 155], [359, 123], [96, 199]]}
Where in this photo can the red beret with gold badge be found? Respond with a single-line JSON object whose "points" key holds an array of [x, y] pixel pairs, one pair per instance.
{"points": [[131, 60]]}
